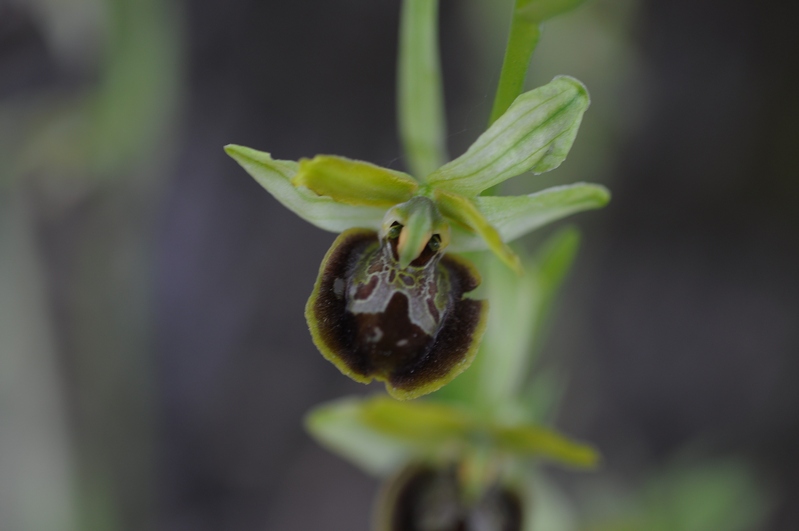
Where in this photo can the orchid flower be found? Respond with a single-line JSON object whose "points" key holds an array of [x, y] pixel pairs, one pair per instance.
{"points": [[389, 302]]}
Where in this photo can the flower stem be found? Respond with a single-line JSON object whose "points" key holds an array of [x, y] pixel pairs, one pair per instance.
{"points": [[420, 101], [522, 40]]}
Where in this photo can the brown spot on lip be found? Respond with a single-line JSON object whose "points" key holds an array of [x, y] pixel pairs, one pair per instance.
{"points": [[365, 290], [431, 307]]}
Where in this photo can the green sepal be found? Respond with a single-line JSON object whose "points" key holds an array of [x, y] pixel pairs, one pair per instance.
{"points": [[323, 212], [534, 441], [339, 426], [354, 182], [535, 134], [515, 216], [463, 211]]}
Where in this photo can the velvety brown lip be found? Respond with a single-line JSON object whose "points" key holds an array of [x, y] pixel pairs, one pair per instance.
{"points": [[387, 345]]}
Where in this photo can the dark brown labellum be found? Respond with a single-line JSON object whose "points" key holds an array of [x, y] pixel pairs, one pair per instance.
{"points": [[423, 498], [409, 327]]}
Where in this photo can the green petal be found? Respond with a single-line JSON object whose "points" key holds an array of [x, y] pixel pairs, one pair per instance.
{"points": [[464, 212], [541, 442], [324, 212], [339, 426], [354, 182], [515, 216], [536, 133]]}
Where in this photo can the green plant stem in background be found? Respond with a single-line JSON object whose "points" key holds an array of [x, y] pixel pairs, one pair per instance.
{"points": [[522, 40], [420, 100], [525, 30]]}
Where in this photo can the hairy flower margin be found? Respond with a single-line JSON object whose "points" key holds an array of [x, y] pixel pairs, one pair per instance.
{"points": [[388, 303]]}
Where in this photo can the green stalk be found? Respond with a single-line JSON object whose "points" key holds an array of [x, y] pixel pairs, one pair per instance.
{"points": [[522, 40], [420, 101], [525, 30]]}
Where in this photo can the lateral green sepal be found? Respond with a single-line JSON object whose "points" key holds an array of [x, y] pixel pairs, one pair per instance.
{"points": [[535, 134], [323, 212], [515, 216], [354, 182]]}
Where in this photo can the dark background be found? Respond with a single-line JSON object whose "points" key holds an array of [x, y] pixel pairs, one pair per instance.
{"points": [[178, 365]]}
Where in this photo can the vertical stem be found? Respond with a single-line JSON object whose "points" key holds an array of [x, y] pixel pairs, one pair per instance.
{"points": [[420, 101], [522, 40]]}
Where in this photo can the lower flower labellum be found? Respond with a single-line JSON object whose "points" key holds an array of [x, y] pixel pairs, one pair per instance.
{"points": [[411, 328]]}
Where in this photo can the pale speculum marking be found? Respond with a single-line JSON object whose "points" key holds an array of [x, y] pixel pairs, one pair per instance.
{"points": [[378, 278]]}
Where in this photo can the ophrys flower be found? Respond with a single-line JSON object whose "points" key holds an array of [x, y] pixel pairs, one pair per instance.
{"points": [[389, 303]]}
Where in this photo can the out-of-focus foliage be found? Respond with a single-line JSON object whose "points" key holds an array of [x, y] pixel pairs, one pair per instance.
{"points": [[88, 141], [704, 496], [102, 126]]}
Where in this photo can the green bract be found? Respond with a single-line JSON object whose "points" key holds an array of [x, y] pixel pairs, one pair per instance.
{"points": [[388, 303], [430, 430]]}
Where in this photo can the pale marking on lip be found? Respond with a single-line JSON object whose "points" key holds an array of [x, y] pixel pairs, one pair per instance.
{"points": [[425, 287]]}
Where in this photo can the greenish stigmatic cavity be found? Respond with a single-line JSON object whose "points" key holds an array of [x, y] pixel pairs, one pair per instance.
{"points": [[419, 220]]}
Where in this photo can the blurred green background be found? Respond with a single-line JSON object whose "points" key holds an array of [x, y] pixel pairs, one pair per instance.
{"points": [[154, 358]]}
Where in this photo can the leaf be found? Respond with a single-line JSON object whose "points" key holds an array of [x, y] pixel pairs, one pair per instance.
{"points": [[323, 212], [339, 427], [536, 133], [506, 348], [541, 442], [515, 216], [354, 182], [463, 211]]}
